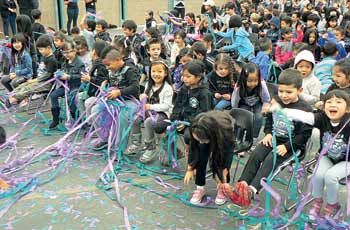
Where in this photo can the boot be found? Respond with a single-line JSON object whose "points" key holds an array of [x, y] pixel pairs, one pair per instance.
{"points": [[55, 117], [150, 152], [135, 144]]}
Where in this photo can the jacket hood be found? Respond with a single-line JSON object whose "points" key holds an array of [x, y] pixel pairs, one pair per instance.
{"points": [[304, 55], [275, 21], [242, 32]]}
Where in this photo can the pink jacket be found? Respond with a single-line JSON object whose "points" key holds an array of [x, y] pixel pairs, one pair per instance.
{"points": [[284, 50]]}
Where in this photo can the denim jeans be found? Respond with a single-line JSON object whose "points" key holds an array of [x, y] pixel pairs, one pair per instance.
{"points": [[73, 14], [57, 93], [256, 109], [221, 104], [10, 20]]}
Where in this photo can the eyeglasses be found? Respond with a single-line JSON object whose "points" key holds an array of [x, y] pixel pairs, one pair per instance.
{"points": [[68, 51]]}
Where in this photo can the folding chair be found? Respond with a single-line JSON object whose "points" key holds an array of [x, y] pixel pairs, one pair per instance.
{"points": [[290, 163], [41, 103], [243, 132]]}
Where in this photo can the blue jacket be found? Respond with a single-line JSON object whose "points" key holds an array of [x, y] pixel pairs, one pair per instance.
{"points": [[262, 60], [331, 38], [24, 66], [239, 42]]}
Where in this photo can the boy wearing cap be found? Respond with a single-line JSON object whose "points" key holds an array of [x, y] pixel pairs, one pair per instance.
{"points": [[284, 47], [239, 39]]}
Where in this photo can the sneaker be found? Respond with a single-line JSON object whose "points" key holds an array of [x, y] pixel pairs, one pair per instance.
{"points": [[100, 146], [148, 155], [132, 149], [220, 197], [331, 210], [315, 210], [197, 196], [36, 96], [24, 103]]}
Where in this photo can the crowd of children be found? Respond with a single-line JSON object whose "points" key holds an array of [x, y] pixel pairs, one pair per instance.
{"points": [[227, 57]]}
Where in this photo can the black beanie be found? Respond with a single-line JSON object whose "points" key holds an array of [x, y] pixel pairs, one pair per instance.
{"points": [[195, 67]]}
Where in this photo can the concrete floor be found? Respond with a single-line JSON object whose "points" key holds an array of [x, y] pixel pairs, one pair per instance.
{"points": [[72, 200]]}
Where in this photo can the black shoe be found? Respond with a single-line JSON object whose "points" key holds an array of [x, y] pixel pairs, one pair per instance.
{"points": [[55, 118], [100, 146]]}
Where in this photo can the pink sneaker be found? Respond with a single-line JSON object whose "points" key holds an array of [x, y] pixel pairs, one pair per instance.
{"points": [[331, 210], [197, 196], [220, 197], [315, 210]]}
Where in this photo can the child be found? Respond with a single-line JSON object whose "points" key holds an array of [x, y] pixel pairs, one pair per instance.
{"points": [[179, 43], [262, 58], [221, 81], [101, 31], [159, 96], [193, 98], [47, 67], [70, 74], [123, 85], [273, 32], [260, 162], [323, 69], [37, 28], [209, 44], [87, 28], [59, 40], [284, 46], [332, 165], [211, 140], [251, 93], [129, 30], [185, 56], [200, 52], [21, 63], [311, 38], [75, 32], [312, 21], [341, 76], [83, 51], [239, 38], [150, 21], [154, 49], [305, 62], [97, 74]]}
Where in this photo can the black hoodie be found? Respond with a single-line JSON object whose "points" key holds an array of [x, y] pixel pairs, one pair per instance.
{"points": [[191, 102], [98, 74]]}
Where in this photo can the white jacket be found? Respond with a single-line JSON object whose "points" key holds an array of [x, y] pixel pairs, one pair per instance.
{"points": [[165, 100]]}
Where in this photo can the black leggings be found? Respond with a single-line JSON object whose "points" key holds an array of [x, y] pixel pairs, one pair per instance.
{"points": [[201, 167]]}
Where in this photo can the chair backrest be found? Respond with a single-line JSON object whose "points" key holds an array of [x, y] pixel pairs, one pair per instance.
{"points": [[243, 129], [272, 88]]}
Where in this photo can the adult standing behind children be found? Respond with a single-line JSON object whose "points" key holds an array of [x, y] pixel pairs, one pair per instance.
{"points": [[26, 6], [90, 6], [8, 15], [72, 13]]}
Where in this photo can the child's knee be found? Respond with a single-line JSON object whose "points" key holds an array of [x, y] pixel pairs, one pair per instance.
{"points": [[331, 178]]}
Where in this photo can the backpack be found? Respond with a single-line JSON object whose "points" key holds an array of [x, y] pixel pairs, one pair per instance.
{"points": [[273, 72]]}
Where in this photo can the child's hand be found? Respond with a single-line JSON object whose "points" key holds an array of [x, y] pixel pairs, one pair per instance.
{"points": [[180, 127], [217, 95], [147, 106], [319, 105], [143, 96], [281, 150], [12, 76], [226, 97], [85, 77], [113, 94], [188, 176], [267, 140], [299, 27], [32, 80], [64, 77]]}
